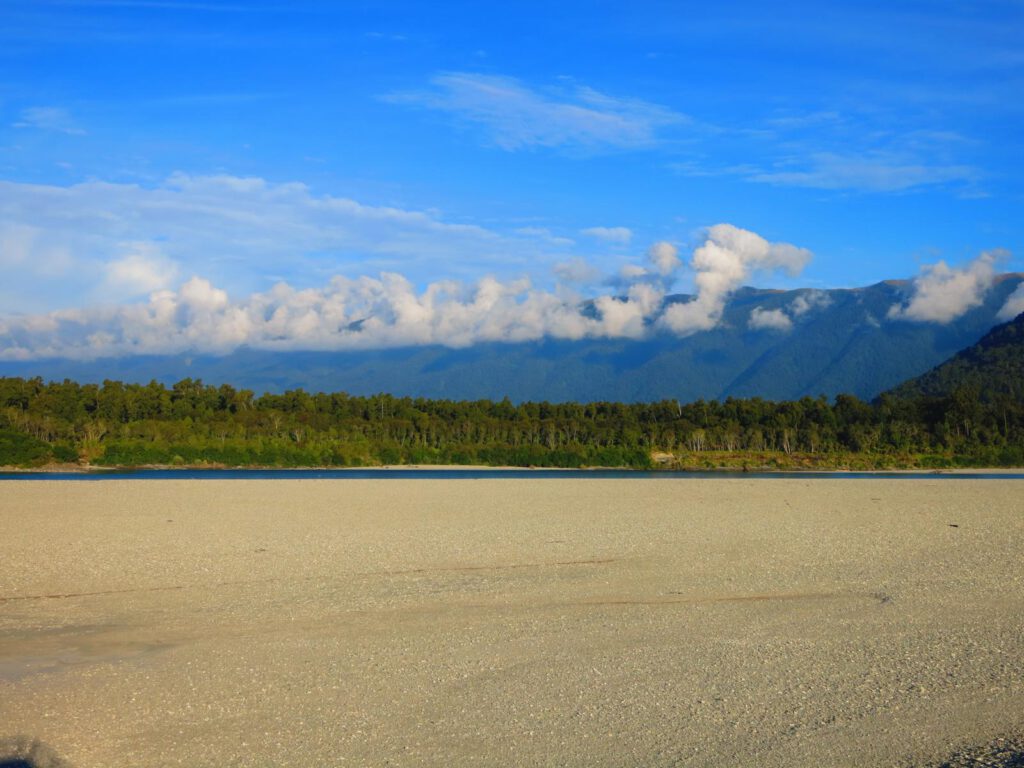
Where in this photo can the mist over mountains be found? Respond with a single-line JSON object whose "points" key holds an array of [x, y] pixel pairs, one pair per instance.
{"points": [[767, 343]]}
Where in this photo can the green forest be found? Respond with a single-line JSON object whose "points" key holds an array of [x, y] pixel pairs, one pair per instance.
{"points": [[192, 424]]}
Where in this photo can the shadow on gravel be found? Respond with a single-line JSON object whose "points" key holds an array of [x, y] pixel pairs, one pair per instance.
{"points": [[23, 752], [1002, 753]]}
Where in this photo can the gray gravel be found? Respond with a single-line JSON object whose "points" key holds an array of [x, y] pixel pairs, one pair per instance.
{"points": [[510, 622]]}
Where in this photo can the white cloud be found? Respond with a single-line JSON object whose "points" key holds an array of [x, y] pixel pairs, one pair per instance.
{"points": [[807, 301], [769, 319], [1014, 304], [628, 317], [664, 257], [941, 294], [725, 259], [615, 235], [630, 273], [48, 119], [143, 269], [517, 117]]}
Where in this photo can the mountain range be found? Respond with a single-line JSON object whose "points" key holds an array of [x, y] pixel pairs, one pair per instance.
{"points": [[841, 341]]}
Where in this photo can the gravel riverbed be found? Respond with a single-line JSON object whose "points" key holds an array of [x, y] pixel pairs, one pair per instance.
{"points": [[575, 622]]}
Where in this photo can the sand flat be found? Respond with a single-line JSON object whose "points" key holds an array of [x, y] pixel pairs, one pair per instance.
{"points": [[499, 622]]}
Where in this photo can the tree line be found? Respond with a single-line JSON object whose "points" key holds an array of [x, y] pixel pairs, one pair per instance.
{"points": [[191, 423]]}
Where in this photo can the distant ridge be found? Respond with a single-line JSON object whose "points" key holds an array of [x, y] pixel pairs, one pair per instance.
{"points": [[989, 370], [839, 341]]}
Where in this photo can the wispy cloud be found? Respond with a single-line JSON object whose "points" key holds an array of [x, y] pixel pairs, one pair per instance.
{"points": [[798, 120], [49, 119], [170, 5], [544, 234], [807, 301], [615, 235], [515, 116], [577, 271], [873, 172], [848, 152], [212, 99], [58, 241], [1014, 304]]}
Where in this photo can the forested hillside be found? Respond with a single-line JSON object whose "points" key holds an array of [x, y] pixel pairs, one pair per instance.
{"points": [[991, 370]]}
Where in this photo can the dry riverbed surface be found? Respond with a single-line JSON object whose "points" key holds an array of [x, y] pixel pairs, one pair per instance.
{"points": [[511, 622]]}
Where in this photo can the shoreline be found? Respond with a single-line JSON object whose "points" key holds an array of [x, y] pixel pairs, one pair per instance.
{"points": [[93, 469]]}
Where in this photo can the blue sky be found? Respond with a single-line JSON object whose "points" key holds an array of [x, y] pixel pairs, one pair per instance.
{"points": [[145, 143]]}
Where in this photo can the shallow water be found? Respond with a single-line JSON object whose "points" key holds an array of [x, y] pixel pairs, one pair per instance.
{"points": [[395, 473]]}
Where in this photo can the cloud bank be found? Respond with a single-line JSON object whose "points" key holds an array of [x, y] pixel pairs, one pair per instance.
{"points": [[389, 311], [126, 269]]}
